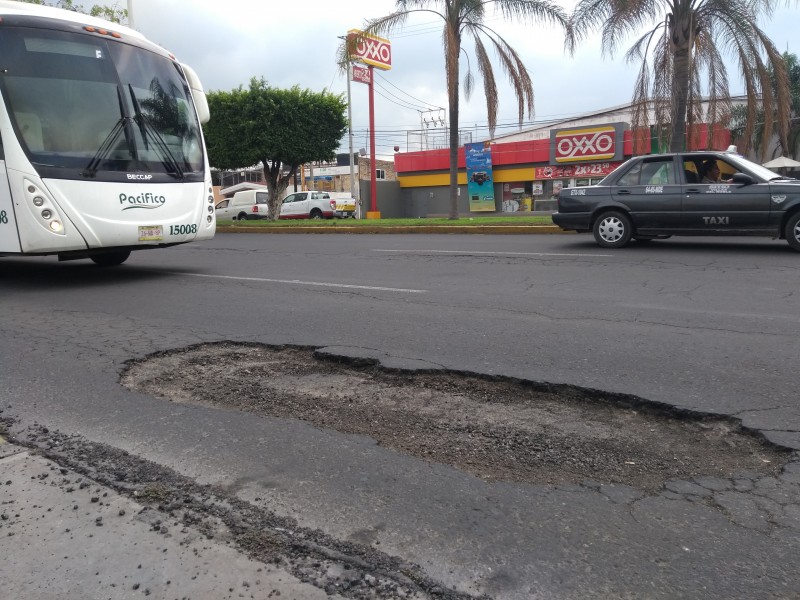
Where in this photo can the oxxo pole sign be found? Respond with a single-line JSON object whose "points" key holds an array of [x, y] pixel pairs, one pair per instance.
{"points": [[376, 53], [369, 49]]}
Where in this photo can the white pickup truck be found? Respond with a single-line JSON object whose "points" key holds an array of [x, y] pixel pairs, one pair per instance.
{"points": [[252, 204], [316, 205], [345, 205]]}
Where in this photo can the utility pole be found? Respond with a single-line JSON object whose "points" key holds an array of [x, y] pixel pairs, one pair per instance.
{"points": [[353, 191], [130, 15], [373, 184]]}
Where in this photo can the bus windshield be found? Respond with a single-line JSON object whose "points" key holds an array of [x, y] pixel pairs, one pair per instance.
{"points": [[87, 106]]}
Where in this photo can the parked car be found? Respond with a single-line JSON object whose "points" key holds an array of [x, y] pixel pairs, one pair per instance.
{"points": [[243, 206], [308, 205], [252, 204], [657, 196]]}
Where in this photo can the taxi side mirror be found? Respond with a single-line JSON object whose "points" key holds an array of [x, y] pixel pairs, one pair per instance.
{"points": [[742, 178]]}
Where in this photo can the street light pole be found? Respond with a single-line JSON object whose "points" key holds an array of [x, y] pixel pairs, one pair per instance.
{"points": [[130, 15]]}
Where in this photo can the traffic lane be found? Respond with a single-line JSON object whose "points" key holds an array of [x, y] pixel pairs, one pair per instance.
{"points": [[702, 324], [709, 327], [505, 539]]}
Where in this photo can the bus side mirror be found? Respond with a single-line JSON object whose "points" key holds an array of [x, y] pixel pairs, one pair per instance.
{"points": [[198, 95]]}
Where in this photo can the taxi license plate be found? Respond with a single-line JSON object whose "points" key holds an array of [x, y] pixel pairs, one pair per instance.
{"points": [[151, 233]]}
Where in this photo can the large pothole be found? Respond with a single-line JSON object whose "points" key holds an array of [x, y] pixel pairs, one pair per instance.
{"points": [[497, 429]]}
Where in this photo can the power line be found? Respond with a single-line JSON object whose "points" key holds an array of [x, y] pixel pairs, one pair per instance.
{"points": [[393, 102], [425, 104], [400, 101]]}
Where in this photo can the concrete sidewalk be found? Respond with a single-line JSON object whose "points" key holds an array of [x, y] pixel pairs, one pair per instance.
{"points": [[64, 536]]}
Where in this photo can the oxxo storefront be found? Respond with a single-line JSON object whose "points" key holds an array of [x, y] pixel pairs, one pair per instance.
{"points": [[513, 177]]}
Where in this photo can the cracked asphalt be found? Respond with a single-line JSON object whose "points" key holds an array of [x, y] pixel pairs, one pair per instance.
{"points": [[698, 339]]}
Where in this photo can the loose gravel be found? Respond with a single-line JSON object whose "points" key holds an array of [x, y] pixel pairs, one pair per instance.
{"points": [[495, 428]]}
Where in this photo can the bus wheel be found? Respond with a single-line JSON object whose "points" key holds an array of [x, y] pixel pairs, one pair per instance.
{"points": [[111, 259]]}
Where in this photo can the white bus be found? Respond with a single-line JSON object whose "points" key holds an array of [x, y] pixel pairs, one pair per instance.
{"points": [[101, 149]]}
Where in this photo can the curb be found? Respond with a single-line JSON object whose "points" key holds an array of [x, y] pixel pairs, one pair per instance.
{"points": [[492, 229]]}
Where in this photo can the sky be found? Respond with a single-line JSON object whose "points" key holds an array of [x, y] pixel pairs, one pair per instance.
{"points": [[294, 43]]}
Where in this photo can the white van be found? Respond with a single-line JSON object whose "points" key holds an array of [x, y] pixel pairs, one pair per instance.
{"points": [[245, 205]]}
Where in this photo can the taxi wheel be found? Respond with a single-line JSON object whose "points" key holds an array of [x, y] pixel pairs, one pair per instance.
{"points": [[612, 229], [792, 231]]}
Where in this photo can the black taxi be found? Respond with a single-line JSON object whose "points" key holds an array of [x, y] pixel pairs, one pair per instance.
{"points": [[691, 193]]}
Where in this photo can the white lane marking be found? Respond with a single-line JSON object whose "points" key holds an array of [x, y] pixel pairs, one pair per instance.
{"points": [[491, 253], [314, 283], [711, 311]]}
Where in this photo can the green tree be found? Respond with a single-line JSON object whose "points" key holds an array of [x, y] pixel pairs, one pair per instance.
{"points": [[467, 18], [280, 129], [739, 116], [681, 46], [113, 13]]}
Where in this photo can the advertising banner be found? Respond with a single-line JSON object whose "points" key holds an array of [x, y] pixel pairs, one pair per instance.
{"points": [[361, 74], [480, 182], [592, 170]]}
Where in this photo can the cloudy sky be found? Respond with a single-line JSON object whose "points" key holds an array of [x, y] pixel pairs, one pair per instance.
{"points": [[294, 43]]}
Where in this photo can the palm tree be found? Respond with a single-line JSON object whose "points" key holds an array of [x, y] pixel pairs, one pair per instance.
{"points": [[739, 117], [466, 18], [684, 40]]}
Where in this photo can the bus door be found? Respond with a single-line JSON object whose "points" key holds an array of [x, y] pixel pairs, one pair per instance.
{"points": [[9, 237]]}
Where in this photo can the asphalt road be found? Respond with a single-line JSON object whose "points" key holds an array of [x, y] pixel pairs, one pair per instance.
{"points": [[708, 325]]}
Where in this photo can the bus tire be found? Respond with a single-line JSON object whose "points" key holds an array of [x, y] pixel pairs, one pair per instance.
{"points": [[111, 259]]}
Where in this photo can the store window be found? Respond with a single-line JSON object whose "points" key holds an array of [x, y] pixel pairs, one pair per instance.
{"points": [[517, 196], [552, 188], [586, 181]]}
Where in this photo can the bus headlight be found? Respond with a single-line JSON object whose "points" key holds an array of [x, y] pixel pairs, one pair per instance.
{"points": [[43, 208], [209, 218]]}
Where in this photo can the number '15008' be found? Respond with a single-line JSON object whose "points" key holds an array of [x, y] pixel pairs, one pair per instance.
{"points": [[182, 229]]}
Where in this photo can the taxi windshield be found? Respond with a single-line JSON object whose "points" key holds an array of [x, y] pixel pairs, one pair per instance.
{"points": [[753, 168]]}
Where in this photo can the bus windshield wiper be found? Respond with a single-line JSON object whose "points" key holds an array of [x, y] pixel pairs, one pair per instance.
{"points": [[111, 140], [139, 117], [144, 126]]}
